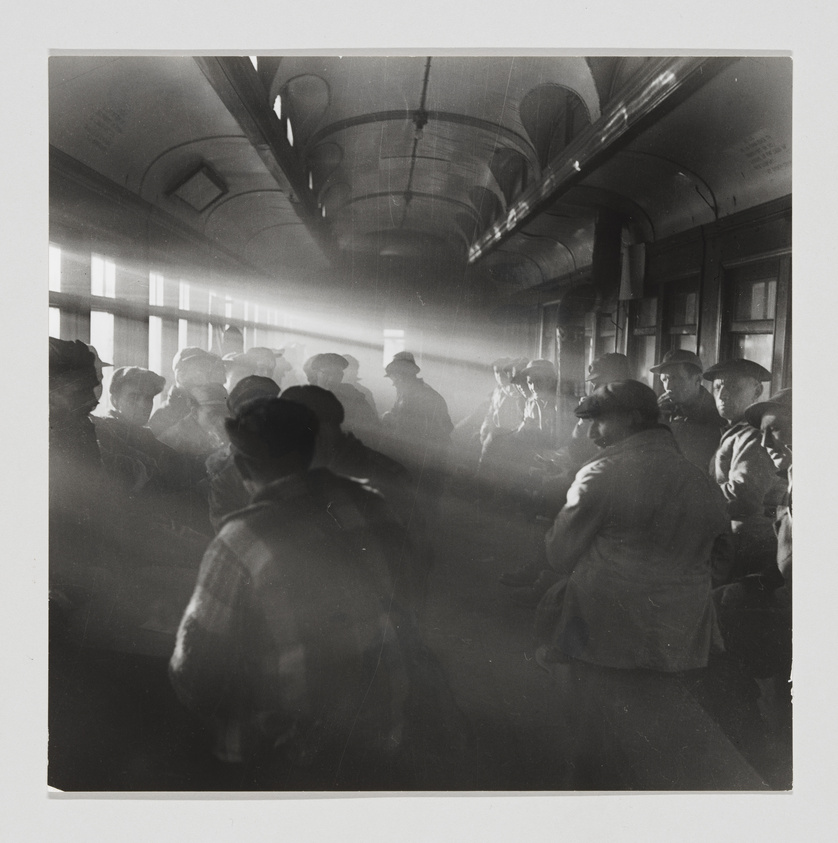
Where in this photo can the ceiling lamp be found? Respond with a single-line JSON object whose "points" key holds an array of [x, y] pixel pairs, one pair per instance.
{"points": [[200, 188]]}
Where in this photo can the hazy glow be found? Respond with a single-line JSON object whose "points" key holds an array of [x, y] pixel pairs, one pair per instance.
{"points": [[55, 270], [102, 339], [155, 344], [182, 334], [183, 296], [156, 286], [102, 277]]}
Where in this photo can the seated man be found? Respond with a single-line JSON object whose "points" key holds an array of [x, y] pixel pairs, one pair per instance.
{"points": [[633, 609], [688, 408], [744, 471], [192, 367], [130, 451], [295, 648]]}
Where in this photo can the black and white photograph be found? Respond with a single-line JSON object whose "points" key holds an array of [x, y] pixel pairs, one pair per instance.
{"points": [[412, 453], [420, 423]]}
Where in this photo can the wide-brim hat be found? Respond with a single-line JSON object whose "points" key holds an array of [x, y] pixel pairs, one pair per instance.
{"points": [[541, 367], [623, 396], [403, 362], [678, 357], [609, 368], [779, 401], [738, 366]]}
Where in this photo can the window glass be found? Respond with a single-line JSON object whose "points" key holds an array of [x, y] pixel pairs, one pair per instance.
{"points": [[756, 347], [156, 285], [683, 309], [101, 338], [755, 299], [644, 356], [102, 277], [55, 270], [647, 313], [155, 344], [183, 296], [182, 334], [687, 342], [55, 323]]}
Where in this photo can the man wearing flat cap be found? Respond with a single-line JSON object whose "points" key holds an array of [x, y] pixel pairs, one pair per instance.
{"points": [[296, 648], [688, 408], [327, 372], [743, 469], [202, 431], [130, 451], [632, 545]]}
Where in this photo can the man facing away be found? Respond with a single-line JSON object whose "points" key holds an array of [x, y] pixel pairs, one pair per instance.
{"points": [[295, 648], [633, 611]]}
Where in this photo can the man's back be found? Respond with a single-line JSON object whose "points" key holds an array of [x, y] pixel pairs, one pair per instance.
{"points": [[295, 635]]}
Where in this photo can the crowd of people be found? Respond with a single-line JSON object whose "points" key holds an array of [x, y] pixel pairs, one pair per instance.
{"points": [[283, 540]]}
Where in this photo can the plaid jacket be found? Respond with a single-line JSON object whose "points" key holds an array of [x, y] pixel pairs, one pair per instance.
{"points": [[295, 635]]}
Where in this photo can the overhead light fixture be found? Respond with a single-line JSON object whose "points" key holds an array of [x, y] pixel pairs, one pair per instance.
{"points": [[200, 188]]}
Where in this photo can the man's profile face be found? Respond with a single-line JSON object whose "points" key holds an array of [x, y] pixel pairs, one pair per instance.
{"points": [[776, 436], [610, 428], [681, 382], [734, 393]]}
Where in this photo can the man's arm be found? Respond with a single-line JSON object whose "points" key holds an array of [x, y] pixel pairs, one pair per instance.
{"points": [[750, 476], [580, 518]]}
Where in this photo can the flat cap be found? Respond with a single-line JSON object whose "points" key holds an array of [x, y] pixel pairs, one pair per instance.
{"points": [[609, 368], [190, 353], [625, 395], [208, 393], [738, 366], [249, 389], [328, 361], [71, 357], [779, 401], [271, 428], [678, 357], [540, 367], [148, 382]]}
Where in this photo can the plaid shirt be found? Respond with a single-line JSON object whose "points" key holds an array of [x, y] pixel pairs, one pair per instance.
{"points": [[294, 634]]}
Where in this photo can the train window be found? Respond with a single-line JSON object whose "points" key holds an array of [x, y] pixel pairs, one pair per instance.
{"points": [[102, 277], [643, 349], [54, 270], [549, 321], [393, 343], [183, 296], [182, 333], [228, 307], [750, 310], [101, 338], [681, 315], [606, 332], [155, 344], [156, 286], [55, 323]]}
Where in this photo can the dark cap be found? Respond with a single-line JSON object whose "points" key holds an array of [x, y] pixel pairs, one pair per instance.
{"points": [[779, 401], [402, 362], [148, 382], [623, 396], [250, 388], [208, 393], [678, 357], [739, 366], [323, 403], [70, 357], [273, 428], [609, 368]]}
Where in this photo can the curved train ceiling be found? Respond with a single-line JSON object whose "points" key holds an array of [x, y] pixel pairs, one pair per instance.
{"points": [[498, 163]]}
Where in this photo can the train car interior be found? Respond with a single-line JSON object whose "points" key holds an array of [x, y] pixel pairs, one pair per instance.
{"points": [[469, 218]]}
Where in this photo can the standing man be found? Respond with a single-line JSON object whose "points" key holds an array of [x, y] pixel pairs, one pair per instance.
{"points": [[326, 371], [296, 649], [633, 610], [743, 469], [688, 408]]}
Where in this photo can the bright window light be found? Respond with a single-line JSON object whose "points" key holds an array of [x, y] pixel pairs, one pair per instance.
{"points": [[101, 338], [102, 277], [182, 333], [310, 180], [289, 132], [228, 307], [155, 344], [393, 343], [55, 269], [278, 107], [156, 286], [254, 61], [183, 295], [55, 323]]}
